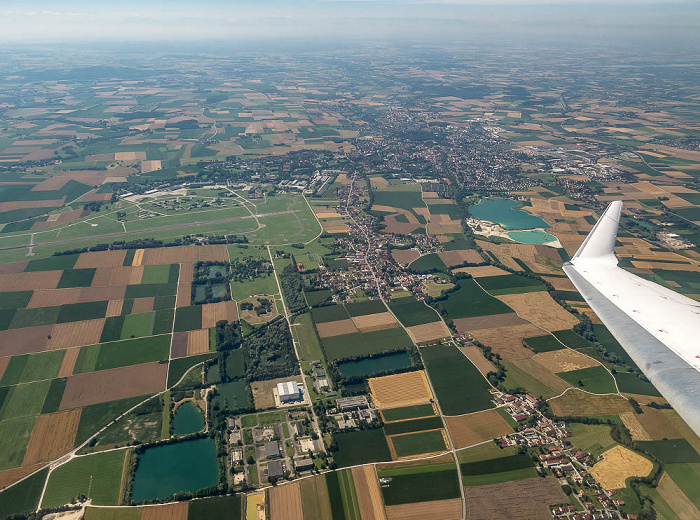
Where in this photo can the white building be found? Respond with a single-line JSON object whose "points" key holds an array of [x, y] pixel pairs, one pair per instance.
{"points": [[288, 391]]}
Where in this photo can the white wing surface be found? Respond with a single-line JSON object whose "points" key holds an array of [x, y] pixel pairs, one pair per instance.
{"points": [[659, 328]]}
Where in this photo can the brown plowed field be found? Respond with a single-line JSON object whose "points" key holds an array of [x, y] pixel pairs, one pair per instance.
{"points": [[470, 256], [675, 498], [26, 204], [53, 436], [400, 389], [102, 277], [578, 403], [508, 341], [481, 270], [379, 321], [369, 496], [138, 257], [488, 322], [450, 509], [476, 357], [564, 360], [14, 267], [314, 499], [75, 334], [100, 294], [335, 328], [636, 429], [185, 254], [53, 297], [540, 309], [68, 363], [176, 511], [618, 464], [3, 365], [646, 399], [114, 308], [428, 332], [335, 226], [525, 499], [466, 430], [10, 476], [214, 312], [113, 384], [285, 502], [24, 341], [657, 425], [114, 258], [126, 275], [405, 256], [198, 342], [178, 347], [184, 294], [142, 305], [186, 273], [545, 375], [29, 281]]}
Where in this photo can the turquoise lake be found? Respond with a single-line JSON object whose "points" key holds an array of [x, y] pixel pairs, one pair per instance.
{"points": [[188, 419], [172, 468], [502, 212], [369, 366], [531, 237]]}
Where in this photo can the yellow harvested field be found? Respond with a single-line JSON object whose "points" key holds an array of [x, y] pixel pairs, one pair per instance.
{"points": [[138, 257], [450, 509], [579, 404], [540, 309], [378, 182], [564, 360], [150, 166], [369, 495], [112, 258], [68, 363], [480, 362], [400, 389], [52, 437], [543, 374], [126, 275], [52, 297], [335, 226], [481, 271], [676, 499], [114, 308], [371, 322], [428, 332], [488, 322], [474, 428], [328, 214], [657, 424], [636, 429], [335, 328], [129, 156], [285, 502], [198, 342], [618, 464], [508, 341], [215, 312], [255, 506], [75, 334]]}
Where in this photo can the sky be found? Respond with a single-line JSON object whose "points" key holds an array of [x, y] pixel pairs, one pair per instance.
{"points": [[38, 21]]}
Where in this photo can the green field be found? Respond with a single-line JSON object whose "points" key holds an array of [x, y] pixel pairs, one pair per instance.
{"points": [[76, 278], [361, 447], [15, 300], [594, 438], [404, 196], [122, 353], [427, 264], [152, 289], [459, 386], [329, 313], [178, 367], [519, 378], [408, 412], [317, 297], [671, 451], [411, 312], [604, 337], [366, 307], [365, 344], [82, 311], [96, 476], [32, 367], [595, 379], [96, 416], [571, 339], [687, 477], [156, 274], [137, 325], [417, 443], [23, 497], [188, 318], [501, 469], [24, 399], [54, 395], [631, 383], [420, 484], [163, 321], [348, 494], [235, 363], [510, 284], [545, 343], [34, 317], [415, 425], [14, 437], [470, 301], [306, 338], [216, 508]]}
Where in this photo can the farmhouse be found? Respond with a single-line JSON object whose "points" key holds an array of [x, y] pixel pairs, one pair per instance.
{"points": [[288, 391]]}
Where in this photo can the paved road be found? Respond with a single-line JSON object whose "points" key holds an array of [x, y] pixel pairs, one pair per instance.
{"points": [[173, 226]]}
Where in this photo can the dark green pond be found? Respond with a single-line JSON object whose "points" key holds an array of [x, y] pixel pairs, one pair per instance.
{"points": [[369, 366], [172, 468], [188, 419]]}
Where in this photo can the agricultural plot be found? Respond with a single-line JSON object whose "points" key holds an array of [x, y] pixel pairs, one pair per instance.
{"points": [[122, 353], [494, 471], [540, 344], [285, 502], [411, 444], [540, 309], [594, 438], [470, 301], [361, 447], [398, 390], [315, 501], [459, 385], [52, 437], [618, 464], [369, 495], [510, 284], [14, 437], [360, 344], [671, 451], [567, 360], [467, 430], [421, 483], [411, 312], [632, 384], [24, 497], [408, 412], [32, 367], [595, 379], [581, 404]]}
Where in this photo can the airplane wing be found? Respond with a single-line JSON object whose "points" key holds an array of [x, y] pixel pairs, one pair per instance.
{"points": [[659, 328]]}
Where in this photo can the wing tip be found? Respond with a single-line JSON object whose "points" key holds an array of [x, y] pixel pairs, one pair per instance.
{"points": [[600, 242]]}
